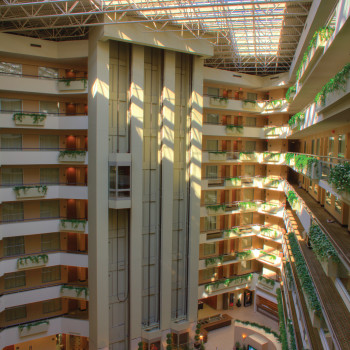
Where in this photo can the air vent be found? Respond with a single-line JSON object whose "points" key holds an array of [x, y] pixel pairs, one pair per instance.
{"points": [[274, 78], [35, 45], [237, 76]]}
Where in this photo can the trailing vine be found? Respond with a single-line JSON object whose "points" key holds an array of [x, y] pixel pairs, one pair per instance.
{"points": [[272, 156], [37, 117], [289, 156], [78, 290], [297, 119], [247, 206], [244, 255], [290, 91], [266, 329], [214, 260], [237, 128], [292, 198], [216, 207], [282, 325], [42, 189], [34, 259], [227, 282], [265, 280], [340, 177], [74, 223], [71, 153], [28, 326]]}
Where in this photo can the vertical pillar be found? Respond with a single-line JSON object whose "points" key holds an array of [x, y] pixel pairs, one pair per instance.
{"points": [[136, 147], [195, 184], [98, 191], [167, 187]]}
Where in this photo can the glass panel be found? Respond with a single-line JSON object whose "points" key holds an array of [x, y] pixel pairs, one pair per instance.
{"points": [[214, 92], [46, 72], [209, 248], [49, 176], [15, 280], [15, 313], [123, 177], [13, 246], [250, 146], [11, 176], [318, 146], [10, 105], [248, 194], [10, 68], [212, 118], [341, 146], [49, 209], [11, 141], [313, 147], [49, 107], [12, 212], [50, 241], [210, 197], [211, 171], [50, 142], [212, 145], [50, 274], [210, 223]]}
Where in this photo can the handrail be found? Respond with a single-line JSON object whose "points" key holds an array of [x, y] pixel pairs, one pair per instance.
{"points": [[256, 201], [3, 111], [241, 226], [42, 149], [40, 219], [274, 177], [84, 184]]}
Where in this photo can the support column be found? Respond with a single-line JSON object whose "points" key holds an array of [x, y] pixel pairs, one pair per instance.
{"points": [[98, 191], [136, 147], [167, 187], [195, 185]]}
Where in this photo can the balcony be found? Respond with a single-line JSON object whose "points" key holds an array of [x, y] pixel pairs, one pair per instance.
{"points": [[73, 225], [51, 121], [30, 156], [276, 132], [223, 103], [72, 85], [56, 325], [232, 130]]}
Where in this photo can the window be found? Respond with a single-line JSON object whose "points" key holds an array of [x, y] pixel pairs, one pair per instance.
{"points": [[7, 105], [15, 280], [11, 141], [50, 241], [209, 248], [328, 198], [250, 121], [248, 194], [13, 246], [210, 223], [246, 242], [212, 118], [12, 212], [338, 205], [208, 274], [247, 218], [49, 107], [11, 176], [50, 142], [250, 146], [15, 313], [46, 72], [246, 265], [49, 176], [50, 274], [49, 209], [119, 181], [213, 92], [252, 96], [52, 306], [341, 146], [330, 146], [249, 170], [210, 197], [10, 68], [212, 145], [211, 171]]}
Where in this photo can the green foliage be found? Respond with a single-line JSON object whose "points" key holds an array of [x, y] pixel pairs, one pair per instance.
{"points": [[338, 82], [271, 182], [216, 207], [268, 232], [245, 102], [214, 260], [74, 222], [78, 290], [282, 325], [67, 81], [304, 275], [247, 206], [292, 341], [297, 119], [221, 98], [37, 117], [289, 156], [71, 153], [237, 128], [268, 256], [266, 280], [28, 326], [235, 181], [292, 198], [228, 281], [321, 245], [340, 177], [288, 272], [303, 163], [257, 325], [34, 259], [42, 189], [244, 255], [323, 34], [272, 156], [274, 104], [291, 90]]}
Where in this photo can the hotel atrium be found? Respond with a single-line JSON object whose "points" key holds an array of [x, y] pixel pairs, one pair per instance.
{"points": [[174, 175]]}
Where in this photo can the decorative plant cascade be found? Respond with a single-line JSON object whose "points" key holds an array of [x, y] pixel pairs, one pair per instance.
{"points": [[268, 232], [78, 290], [296, 120], [339, 177], [271, 182], [67, 81], [71, 156], [249, 103], [29, 118], [321, 245], [214, 260], [247, 156], [237, 280], [292, 198], [32, 261], [244, 255], [233, 181], [282, 325], [337, 83], [237, 129], [302, 163], [272, 156], [30, 191], [268, 257], [290, 93], [321, 35], [257, 325], [304, 276], [292, 341], [274, 104], [247, 206], [288, 158], [74, 224], [28, 326], [218, 101], [267, 281]]}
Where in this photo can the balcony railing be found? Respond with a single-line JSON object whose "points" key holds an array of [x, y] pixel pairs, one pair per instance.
{"points": [[244, 156]]}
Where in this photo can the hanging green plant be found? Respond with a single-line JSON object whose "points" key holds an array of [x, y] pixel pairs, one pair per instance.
{"points": [[297, 119], [28, 326], [282, 325], [33, 259], [292, 198], [74, 223], [78, 290], [236, 128], [340, 177], [216, 207], [289, 156], [71, 153], [214, 260], [266, 280], [228, 281], [36, 117], [244, 255], [290, 91], [42, 189], [247, 206], [257, 325]]}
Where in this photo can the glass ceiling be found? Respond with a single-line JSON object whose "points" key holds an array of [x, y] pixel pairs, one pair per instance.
{"points": [[251, 36]]}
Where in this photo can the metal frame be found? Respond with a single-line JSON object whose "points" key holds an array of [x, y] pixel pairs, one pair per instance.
{"points": [[256, 36]]}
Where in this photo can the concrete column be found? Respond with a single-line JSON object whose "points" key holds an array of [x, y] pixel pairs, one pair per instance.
{"points": [[195, 184], [136, 147], [98, 191], [167, 187]]}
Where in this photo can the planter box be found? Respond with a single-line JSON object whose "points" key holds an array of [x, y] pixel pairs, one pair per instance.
{"points": [[30, 192], [35, 329], [28, 119], [272, 158], [211, 211], [234, 131], [232, 183], [72, 226], [72, 158], [247, 157], [315, 320], [249, 105], [72, 85], [217, 156], [220, 102], [73, 293], [330, 268], [28, 264], [264, 284]]}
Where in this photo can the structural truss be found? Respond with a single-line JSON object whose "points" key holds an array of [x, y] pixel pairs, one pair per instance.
{"points": [[257, 37]]}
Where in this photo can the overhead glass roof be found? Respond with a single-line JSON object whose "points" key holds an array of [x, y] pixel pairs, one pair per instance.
{"points": [[251, 36]]}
